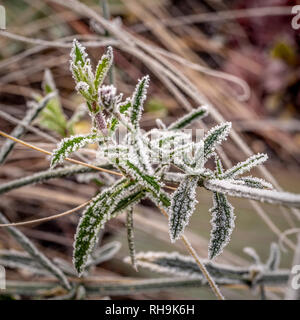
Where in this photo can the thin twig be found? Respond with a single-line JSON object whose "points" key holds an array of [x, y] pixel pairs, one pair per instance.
{"points": [[56, 216], [201, 266]]}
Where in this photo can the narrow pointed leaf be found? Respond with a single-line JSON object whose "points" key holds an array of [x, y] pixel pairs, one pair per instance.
{"points": [[104, 206], [146, 180], [222, 224], [138, 100], [182, 206], [245, 166], [188, 119], [72, 144], [103, 67], [214, 137], [252, 182]]}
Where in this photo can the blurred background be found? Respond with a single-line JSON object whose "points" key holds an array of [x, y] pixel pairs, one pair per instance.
{"points": [[251, 40]]}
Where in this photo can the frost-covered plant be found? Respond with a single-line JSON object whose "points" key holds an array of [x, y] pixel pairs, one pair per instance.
{"points": [[145, 159]]}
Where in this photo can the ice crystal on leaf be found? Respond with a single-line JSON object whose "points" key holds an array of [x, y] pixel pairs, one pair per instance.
{"points": [[72, 144], [214, 137], [188, 119], [182, 206], [103, 67], [245, 166], [102, 208], [222, 224], [138, 99]]}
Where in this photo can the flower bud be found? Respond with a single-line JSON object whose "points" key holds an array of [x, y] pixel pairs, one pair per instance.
{"points": [[101, 123], [106, 96]]}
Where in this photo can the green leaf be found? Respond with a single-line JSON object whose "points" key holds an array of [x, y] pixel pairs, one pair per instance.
{"points": [[81, 69], [103, 207], [188, 119], [69, 145], [252, 182], [182, 206], [124, 106], [245, 166], [78, 53], [222, 224], [214, 137], [147, 181], [138, 98], [103, 67], [52, 116]]}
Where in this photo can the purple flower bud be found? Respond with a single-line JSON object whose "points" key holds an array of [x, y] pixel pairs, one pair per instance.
{"points": [[106, 96], [101, 123]]}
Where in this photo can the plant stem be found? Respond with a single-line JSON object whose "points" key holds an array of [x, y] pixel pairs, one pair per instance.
{"points": [[201, 266]]}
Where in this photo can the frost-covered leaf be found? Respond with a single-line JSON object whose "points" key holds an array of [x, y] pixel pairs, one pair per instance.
{"points": [[199, 159], [80, 64], [147, 181], [72, 144], [182, 206], [130, 237], [103, 207], [222, 224], [139, 154], [270, 196], [189, 118], [81, 69], [214, 137], [252, 182], [245, 166], [103, 67], [161, 199], [78, 54], [137, 101]]}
